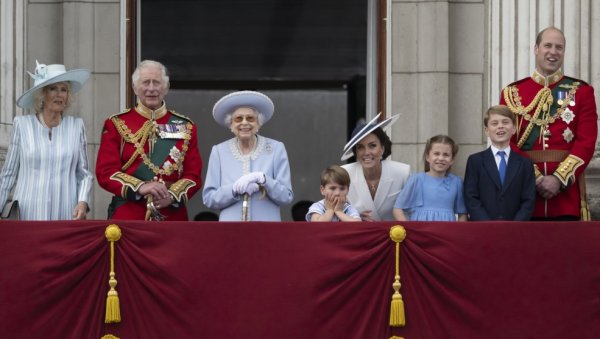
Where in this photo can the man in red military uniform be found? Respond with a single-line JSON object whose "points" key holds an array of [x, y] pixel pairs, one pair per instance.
{"points": [[148, 156], [556, 128]]}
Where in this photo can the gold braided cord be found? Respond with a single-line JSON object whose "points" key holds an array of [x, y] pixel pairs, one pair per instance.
{"points": [[513, 100], [542, 100], [130, 161], [139, 138]]}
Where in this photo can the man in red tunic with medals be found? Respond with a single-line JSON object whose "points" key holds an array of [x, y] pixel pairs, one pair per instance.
{"points": [[148, 156], [556, 128]]}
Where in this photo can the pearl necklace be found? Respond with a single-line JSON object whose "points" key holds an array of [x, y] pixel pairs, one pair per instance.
{"points": [[43, 122], [238, 144]]}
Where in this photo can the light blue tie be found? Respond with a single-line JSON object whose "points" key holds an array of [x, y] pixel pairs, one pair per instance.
{"points": [[502, 166]]}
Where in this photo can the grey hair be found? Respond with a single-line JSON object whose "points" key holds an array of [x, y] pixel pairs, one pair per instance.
{"points": [[259, 115], [40, 95], [135, 77]]}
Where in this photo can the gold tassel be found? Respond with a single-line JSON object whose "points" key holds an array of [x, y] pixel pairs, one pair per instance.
{"points": [[585, 211], [397, 316], [110, 336], [392, 337], [113, 312]]}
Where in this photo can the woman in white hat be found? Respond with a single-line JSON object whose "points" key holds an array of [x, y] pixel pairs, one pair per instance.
{"points": [[248, 176], [374, 181], [47, 157]]}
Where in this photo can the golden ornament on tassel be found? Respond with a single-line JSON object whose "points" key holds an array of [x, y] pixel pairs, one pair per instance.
{"points": [[585, 209], [109, 336], [113, 312], [397, 317]]}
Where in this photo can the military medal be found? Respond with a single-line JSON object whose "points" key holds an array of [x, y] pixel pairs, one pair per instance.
{"points": [[572, 103], [561, 96], [567, 115], [175, 154], [568, 135], [172, 131], [168, 165]]}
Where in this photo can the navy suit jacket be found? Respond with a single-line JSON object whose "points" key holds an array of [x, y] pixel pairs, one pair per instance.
{"points": [[487, 199]]}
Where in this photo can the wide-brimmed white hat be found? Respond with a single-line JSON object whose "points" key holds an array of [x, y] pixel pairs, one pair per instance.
{"points": [[50, 74], [229, 103], [362, 130]]}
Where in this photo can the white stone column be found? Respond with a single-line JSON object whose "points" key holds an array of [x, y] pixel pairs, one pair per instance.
{"points": [[91, 39], [12, 21], [437, 76], [419, 75]]}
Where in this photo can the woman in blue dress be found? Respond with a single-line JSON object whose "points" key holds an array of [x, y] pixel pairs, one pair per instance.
{"points": [[436, 194], [248, 176], [47, 162]]}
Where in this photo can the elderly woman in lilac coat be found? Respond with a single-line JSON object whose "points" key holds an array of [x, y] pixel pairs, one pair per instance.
{"points": [[248, 166]]}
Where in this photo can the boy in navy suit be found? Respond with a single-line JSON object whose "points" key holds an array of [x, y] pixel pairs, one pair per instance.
{"points": [[499, 183]]}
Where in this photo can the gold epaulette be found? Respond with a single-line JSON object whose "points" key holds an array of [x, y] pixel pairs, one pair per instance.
{"points": [[125, 110], [127, 181], [179, 189], [181, 116], [566, 170]]}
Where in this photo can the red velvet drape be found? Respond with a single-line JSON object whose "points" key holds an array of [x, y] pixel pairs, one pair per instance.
{"points": [[301, 280]]}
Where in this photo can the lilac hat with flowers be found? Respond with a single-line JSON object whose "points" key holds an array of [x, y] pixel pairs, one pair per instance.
{"points": [[45, 75]]}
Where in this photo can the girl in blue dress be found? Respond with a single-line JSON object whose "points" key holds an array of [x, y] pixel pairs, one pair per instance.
{"points": [[436, 194]]}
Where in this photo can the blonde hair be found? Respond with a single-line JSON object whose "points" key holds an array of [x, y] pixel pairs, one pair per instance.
{"points": [[40, 95]]}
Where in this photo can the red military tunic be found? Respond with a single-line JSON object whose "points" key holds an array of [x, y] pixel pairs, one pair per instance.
{"points": [[557, 128], [125, 161]]}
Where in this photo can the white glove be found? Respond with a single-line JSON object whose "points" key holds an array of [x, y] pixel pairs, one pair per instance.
{"points": [[240, 186], [257, 177], [252, 188]]}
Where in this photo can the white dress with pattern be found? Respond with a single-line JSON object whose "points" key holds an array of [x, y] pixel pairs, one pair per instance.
{"points": [[49, 176]]}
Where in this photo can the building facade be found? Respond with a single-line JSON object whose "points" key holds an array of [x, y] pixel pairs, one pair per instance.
{"points": [[446, 63]]}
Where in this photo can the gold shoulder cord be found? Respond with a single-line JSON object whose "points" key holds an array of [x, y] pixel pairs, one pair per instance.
{"points": [[138, 138], [542, 101]]}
